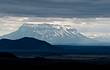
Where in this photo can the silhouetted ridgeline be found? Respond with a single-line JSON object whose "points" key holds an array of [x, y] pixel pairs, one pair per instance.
{"points": [[29, 47], [38, 47], [24, 43]]}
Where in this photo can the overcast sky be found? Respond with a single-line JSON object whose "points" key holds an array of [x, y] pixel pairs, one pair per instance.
{"points": [[60, 8], [23, 9]]}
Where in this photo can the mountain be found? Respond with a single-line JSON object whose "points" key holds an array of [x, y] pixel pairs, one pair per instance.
{"points": [[29, 47], [24, 43], [52, 33]]}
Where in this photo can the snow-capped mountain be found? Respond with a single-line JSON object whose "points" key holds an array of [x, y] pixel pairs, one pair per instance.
{"points": [[52, 33]]}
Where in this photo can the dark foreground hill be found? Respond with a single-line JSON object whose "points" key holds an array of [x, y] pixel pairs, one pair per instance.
{"points": [[28, 47], [24, 43]]}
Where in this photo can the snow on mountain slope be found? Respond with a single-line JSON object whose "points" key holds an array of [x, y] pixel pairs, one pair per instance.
{"points": [[52, 33]]}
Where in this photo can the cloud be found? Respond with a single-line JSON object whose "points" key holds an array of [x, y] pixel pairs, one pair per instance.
{"points": [[10, 24], [56, 8]]}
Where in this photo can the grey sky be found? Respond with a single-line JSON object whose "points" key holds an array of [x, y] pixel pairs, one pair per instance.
{"points": [[57, 8]]}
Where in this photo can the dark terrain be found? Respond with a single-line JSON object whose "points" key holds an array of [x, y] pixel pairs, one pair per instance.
{"points": [[8, 58], [13, 51]]}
